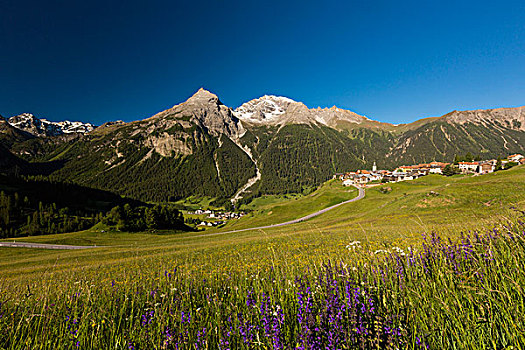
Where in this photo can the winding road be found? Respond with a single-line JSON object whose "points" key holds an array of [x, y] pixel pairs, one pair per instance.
{"points": [[360, 195], [44, 245]]}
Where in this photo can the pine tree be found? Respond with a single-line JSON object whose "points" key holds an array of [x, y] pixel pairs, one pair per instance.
{"points": [[499, 164]]}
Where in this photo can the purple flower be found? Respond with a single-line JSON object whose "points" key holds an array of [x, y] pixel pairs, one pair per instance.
{"points": [[147, 318]]}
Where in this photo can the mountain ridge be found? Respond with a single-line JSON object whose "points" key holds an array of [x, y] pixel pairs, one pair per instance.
{"points": [[268, 145], [266, 114]]}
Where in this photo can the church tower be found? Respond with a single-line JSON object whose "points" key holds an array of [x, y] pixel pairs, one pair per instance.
{"points": [[374, 167]]}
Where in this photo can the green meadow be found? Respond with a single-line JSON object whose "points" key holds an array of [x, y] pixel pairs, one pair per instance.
{"points": [[112, 284], [390, 215]]}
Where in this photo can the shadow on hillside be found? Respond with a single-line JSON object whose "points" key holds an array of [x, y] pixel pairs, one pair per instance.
{"points": [[45, 168]]}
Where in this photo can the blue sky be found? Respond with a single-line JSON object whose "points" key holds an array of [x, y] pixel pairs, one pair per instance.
{"points": [[391, 61]]}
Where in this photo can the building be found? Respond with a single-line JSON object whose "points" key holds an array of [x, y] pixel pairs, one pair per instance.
{"points": [[406, 168], [515, 158], [468, 167], [348, 182], [437, 167], [485, 168]]}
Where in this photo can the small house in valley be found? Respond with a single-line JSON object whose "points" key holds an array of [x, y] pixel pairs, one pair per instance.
{"points": [[515, 158], [468, 167]]}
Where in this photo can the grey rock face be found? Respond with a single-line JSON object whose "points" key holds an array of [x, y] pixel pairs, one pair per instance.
{"points": [[264, 110], [206, 110], [512, 118], [178, 130], [212, 114]]}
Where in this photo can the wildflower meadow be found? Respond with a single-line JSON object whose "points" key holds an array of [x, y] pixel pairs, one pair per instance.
{"points": [[441, 294]]}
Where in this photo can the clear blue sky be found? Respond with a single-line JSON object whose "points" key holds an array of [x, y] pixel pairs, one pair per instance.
{"points": [[393, 61]]}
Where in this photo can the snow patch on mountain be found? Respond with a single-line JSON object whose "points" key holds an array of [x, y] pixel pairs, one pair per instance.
{"points": [[43, 127], [266, 109], [277, 110]]}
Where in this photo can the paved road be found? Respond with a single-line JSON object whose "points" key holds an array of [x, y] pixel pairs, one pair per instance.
{"points": [[59, 246], [359, 196], [43, 245]]}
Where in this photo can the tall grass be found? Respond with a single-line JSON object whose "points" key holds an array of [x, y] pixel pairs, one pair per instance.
{"points": [[442, 294]]}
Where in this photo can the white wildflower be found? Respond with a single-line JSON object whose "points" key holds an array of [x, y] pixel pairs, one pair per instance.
{"points": [[399, 251], [353, 245]]}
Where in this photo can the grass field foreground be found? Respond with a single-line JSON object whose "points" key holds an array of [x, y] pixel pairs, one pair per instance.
{"points": [[445, 294]]}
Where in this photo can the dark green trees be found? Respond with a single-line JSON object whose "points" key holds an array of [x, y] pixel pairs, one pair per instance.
{"points": [[36, 218], [499, 165], [450, 170], [158, 217]]}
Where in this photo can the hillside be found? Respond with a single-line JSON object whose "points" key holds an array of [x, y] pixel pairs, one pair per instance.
{"points": [[190, 149], [9, 163], [489, 133]]}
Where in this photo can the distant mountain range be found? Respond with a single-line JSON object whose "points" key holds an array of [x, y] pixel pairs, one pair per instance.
{"points": [[268, 145], [42, 127]]}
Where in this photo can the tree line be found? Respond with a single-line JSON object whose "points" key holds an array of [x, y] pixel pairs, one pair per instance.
{"points": [[158, 217], [34, 206], [27, 217]]}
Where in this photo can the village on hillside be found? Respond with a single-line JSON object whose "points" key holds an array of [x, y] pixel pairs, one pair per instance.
{"points": [[412, 172]]}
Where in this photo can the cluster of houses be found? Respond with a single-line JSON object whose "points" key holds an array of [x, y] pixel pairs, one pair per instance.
{"points": [[218, 217], [412, 172], [402, 173], [488, 166], [212, 214], [211, 223]]}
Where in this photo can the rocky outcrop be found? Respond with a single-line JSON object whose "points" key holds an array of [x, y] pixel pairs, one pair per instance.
{"points": [[180, 129], [10, 135]]}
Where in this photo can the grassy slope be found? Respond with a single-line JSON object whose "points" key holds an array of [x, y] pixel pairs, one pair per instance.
{"points": [[380, 220], [194, 203], [270, 210]]}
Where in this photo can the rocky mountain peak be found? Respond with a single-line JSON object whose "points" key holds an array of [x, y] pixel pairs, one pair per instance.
{"points": [[203, 96], [265, 109], [276, 110], [203, 109]]}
